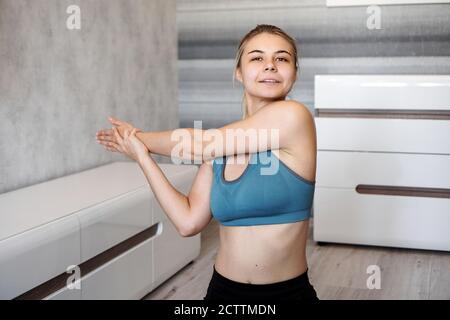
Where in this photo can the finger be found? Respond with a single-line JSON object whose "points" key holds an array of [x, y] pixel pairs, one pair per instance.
{"points": [[115, 121], [106, 138], [111, 149], [102, 134], [108, 143], [113, 145], [104, 141], [99, 133], [116, 149]]}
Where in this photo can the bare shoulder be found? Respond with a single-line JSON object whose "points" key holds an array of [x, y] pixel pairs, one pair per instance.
{"points": [[296, 111], [300, 154], [292, 108]]}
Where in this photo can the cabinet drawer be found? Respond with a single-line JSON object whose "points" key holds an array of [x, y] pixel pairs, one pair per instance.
{"points": [[111, 222], [344, 216], [32, 257], [128, 276], [408, 92], [385, 135], [349, 169]]}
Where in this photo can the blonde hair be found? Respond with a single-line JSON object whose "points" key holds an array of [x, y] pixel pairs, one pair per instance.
{"points": [[260, 28]]}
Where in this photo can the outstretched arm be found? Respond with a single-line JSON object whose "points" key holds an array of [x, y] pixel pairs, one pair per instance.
{"points": [[278, 125], [157, 142], [275, 126]]}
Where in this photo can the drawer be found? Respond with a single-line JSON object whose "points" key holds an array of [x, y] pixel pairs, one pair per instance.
{"points": [[128, 276], [32, 257], [344, 216], [348, 169], [383, 135], [407, 92], [113, 221]]}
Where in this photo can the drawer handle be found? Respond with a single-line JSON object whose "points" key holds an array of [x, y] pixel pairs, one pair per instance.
{"points": [[59, 282], [389, 114], [403, 191]]}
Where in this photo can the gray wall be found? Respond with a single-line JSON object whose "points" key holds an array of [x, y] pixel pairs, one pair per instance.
{"points": [[414, 39], [57, 86]]}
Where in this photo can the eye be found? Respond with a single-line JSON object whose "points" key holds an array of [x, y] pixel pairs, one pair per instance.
{"points": [[255, 58], [284, 59]]}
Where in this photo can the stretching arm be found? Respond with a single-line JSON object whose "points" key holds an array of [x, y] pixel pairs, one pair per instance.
{"points": [[180, 141], [271, 127], [174, 203]]}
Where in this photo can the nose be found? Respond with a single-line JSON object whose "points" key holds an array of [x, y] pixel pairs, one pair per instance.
{"points": [[270, 67]]}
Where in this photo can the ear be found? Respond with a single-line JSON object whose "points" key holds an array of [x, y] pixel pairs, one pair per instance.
{"points": [[238, 75]]}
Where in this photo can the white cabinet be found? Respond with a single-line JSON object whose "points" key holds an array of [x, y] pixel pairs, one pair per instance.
{"points": [[104, 221], [383, 166]]}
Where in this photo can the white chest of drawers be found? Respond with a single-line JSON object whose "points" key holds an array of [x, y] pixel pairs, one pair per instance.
{"points": [[383, 160]]}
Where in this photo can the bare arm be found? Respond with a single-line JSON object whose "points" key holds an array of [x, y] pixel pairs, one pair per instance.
{"points": [[275, 126], [286, 119], [165, 142], [189, 214], [178, 141]]}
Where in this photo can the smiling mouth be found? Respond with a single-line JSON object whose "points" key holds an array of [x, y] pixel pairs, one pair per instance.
{"points": [[270, 82]]}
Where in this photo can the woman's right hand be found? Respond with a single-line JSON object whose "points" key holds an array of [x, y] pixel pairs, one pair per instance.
{"points": [[107, 138]]}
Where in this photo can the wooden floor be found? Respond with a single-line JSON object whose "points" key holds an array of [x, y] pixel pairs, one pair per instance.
{"points": [[336, 271]]}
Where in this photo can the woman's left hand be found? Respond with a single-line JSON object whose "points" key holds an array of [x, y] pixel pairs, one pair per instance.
{"points": [[130, 145]]}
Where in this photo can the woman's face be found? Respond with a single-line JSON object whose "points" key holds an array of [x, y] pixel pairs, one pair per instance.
{"points": [[267, 56]]}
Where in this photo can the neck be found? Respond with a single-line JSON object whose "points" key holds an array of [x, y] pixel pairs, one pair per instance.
{"points": [[256, 103]]}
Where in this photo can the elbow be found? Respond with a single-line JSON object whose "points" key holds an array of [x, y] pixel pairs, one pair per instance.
{"points": [[186, 235], [187, 231]]}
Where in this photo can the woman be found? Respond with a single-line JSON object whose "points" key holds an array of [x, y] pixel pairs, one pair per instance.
{"points": [[264, 217]]}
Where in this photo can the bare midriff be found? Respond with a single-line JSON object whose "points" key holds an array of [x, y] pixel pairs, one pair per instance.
{"points": [[262, 254]]}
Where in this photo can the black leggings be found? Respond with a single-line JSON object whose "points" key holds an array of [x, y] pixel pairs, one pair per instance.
{"points": [[298, 288]]}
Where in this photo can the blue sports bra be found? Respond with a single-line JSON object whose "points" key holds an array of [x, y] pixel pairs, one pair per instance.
{"points": [[267, 192]]}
